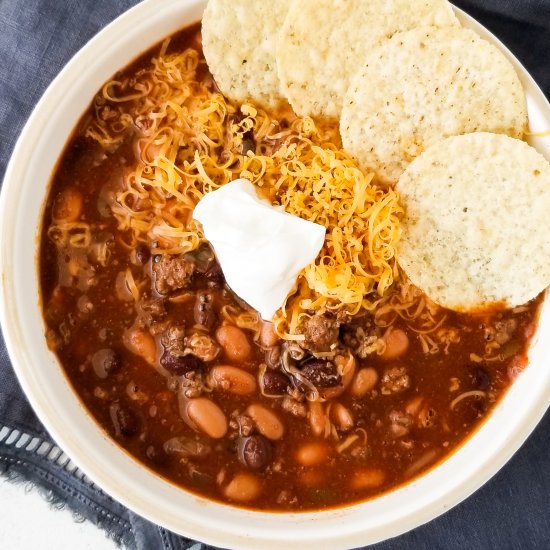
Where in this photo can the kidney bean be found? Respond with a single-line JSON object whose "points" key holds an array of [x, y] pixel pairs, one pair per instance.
{"points": [[312, 454], [105, 362], [322, 374], [181, 364], [275, 382], [254, 451], [124, 419], [266, 421], [234, 342], [232, 379], [243, 488], [364, 382], [203, 312], [207, 417]]}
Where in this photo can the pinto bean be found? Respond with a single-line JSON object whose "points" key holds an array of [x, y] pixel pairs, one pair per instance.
{"points": [[266, 421], [342, 417], [367, 478], [232, 379], [140, 342], [312, 454], [311, 478], [243, 488], [397, 343], [207, 416], [363, 382], [234, 342], [67, 206], [317, 418], [268, 336]]}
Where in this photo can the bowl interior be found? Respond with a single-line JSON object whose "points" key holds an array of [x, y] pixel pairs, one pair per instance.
{"points": [[23, 193]]}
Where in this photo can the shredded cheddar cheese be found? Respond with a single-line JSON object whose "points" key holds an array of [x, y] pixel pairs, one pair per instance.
{"points": [[190, 140]]}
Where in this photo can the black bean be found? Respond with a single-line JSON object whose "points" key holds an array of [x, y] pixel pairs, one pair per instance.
{"points": [[471, 409], [203, 312], [480, 378], [275, 382], [142, 254], [322, 374], [249, 143], [105, 362], [214, 275], [254, 451], [181, 364], [124, 419], [156, 455]]}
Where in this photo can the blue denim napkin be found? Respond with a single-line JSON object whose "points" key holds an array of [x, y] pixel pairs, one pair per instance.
{"points": [[37, 37]]}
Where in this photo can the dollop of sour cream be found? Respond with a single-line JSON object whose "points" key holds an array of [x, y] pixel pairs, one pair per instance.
{"points": [[261, 249]]}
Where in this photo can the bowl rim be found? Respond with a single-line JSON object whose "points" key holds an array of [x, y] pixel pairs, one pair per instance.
{"points": [[111, 468]]}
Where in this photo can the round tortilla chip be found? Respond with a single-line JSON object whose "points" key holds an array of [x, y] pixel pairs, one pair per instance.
{"points": [[324, 42], [239, 40], [422, 86], [476, 228]]}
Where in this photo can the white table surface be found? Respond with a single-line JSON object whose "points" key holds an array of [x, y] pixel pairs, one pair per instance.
{"points": [[28, 522]]}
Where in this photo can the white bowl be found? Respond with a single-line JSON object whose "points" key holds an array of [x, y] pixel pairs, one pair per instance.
{"points": [[23, 195]]}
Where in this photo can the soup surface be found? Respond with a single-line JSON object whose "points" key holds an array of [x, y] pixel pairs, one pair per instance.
{"points": [[189, 380]]}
